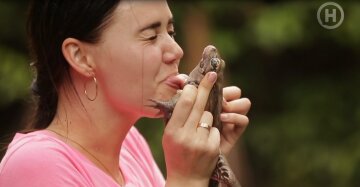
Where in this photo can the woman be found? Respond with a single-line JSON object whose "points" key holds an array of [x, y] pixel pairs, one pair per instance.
{"points": [[97, 64]]}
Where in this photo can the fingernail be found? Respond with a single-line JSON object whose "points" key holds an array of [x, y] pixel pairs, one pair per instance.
{"points": [[224, 117], [212, 77]]}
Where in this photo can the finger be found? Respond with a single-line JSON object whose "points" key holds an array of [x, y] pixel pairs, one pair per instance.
{"points": [[234, 118], [206, 118], [232, 92], [183, 107], [201, 99], [233, 131], [214, 141], [241, 106]]}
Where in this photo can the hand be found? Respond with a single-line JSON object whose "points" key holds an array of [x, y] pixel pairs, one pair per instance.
{"points": [[233, 117], [191, 152]]}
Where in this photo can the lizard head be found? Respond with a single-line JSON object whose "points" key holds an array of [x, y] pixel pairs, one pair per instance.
{"points": [[211, 60]]}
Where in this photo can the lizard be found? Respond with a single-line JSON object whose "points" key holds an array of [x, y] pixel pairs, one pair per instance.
{"points": [[210, 61]]}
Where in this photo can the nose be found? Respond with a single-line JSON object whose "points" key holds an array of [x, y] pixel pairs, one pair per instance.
{"points": [[173, 52]]}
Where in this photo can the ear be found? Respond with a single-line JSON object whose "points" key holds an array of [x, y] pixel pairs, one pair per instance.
{"points": [[76, 55]]}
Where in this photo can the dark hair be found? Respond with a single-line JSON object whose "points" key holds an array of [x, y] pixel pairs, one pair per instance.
{"points": [[50, 22]]}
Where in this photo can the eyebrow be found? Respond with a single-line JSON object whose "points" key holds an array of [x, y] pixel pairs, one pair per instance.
{"points": [[156, 25]]}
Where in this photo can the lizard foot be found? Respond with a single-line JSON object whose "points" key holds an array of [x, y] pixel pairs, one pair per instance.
{"points": [[166, 107]]}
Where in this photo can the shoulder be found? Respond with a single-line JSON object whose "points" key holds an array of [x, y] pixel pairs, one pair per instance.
{"points": [[32, 147], [38, 158]]}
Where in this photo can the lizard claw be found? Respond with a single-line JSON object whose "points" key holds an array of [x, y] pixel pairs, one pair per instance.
{"points": [[166, 107]]}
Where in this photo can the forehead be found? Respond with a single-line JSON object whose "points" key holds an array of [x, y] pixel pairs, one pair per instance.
{"points": [[143, 11]]}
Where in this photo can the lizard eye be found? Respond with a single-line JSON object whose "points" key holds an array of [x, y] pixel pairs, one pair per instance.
{"points": [[214, 62]]}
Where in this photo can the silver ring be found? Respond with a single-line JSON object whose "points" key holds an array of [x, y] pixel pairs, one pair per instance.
{"points": [[204, 125]]}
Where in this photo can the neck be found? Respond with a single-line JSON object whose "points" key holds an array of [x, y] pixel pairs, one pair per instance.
{"points": [[95, 131]]}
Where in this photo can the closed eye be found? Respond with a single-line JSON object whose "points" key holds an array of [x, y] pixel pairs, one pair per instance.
{"points": [[172, 34], [152, 37]]}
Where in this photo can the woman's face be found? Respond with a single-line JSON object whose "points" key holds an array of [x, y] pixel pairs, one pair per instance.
{"points": [[138, 57]]}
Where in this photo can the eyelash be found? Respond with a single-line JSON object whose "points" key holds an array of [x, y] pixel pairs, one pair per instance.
{"points": [[171, 33]]}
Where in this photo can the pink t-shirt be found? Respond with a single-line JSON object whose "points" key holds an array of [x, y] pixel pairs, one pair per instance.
{"points": [[40, 159]]}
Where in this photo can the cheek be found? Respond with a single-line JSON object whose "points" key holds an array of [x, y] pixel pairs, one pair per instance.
{"points": [[121, 80], [130, 79], [154, 74], [150, 74]]}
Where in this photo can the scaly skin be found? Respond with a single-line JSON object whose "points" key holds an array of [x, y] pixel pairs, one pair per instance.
{"points": [[211, 61]]}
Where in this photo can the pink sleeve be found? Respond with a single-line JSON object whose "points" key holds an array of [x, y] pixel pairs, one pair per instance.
{"points": [[138, 154], [158, 176], [36, 159], [38, 164]]}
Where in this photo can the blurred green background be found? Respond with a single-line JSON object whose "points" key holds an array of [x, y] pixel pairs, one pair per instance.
{"points": [[303, 81]]}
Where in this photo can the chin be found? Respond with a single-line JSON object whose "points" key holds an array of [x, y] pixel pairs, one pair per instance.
{"points": [[166, 94]]}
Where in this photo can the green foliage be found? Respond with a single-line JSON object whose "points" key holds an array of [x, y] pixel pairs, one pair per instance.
{"points": [[279, 26], [315, 138], [14, 65], [302, 80], [14, 76], [352, 29]]}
